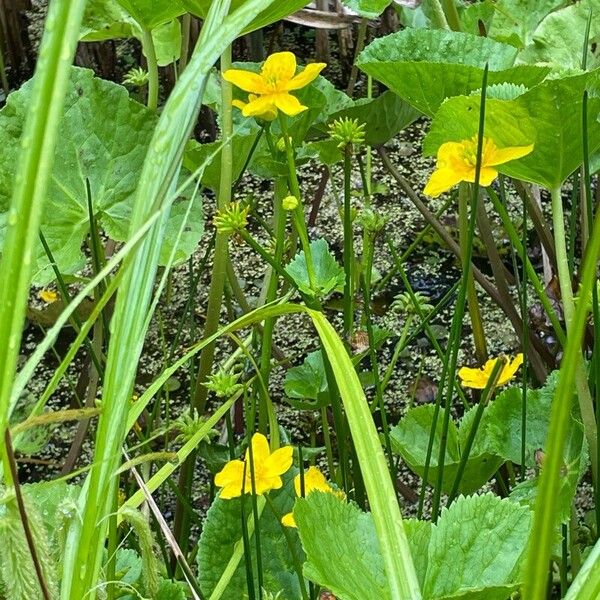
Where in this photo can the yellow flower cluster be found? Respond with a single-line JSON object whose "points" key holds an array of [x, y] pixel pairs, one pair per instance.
{"points": [[269, 90]]}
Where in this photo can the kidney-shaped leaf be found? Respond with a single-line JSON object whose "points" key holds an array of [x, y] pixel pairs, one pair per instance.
{"points": [[426, 66], [104, 136], [410, 439], [369, 9], [152, 13]]}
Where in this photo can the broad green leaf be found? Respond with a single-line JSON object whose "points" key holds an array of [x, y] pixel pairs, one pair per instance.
{"points": [[307, 380], [167, 42], [128, 568], [474, 15], [476, 549], [329, 276], [410, 439], [560, 36], [473, 552], [424, 66], [221, 532], [515, 21], [108, 20], [276, 12], [191, 234], [383, 116], [341, 546], [548, 115], [105, 135], [502, 419], [369, 9], [576, 463], [152, 13], [197, 154]]}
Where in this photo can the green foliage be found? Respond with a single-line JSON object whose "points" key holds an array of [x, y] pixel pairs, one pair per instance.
{"points": [[383, 116], [104, 138], [149, 14], [515, 21], [486, 562], [410, 439], [424, 67], [341, 547], [369, 9], [307, 381], [548, 115], [275, 12], [560, 37], [222, 532], [111, 19], [474, 551], [329, 276]]}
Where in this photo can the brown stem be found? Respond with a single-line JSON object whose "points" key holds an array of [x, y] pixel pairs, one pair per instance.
{"points": [[537, 348], [24, 520]]}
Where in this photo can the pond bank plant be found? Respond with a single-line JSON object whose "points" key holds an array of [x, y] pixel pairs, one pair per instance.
{"points": [[191, 480]]}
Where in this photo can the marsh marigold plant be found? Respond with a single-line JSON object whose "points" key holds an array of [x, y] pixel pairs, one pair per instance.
{"points": [[478, 378], [269, 90], [236, 475], [314, 481], [457, 161]]}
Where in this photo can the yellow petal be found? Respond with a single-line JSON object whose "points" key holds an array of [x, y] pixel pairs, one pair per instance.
{"points": [[309, 74], [260, 449], [288, 104], [504, 155], [230, 479], [442, 180], [278, 69], [239, 104], [486, 176], [313, 480], [510, 369], [279, 462], [246, 80], [473, 378], [450, 153], [261, 107], [288, 520]]}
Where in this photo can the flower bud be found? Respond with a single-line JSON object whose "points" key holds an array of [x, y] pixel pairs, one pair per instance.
{"points": [[289, 203]]}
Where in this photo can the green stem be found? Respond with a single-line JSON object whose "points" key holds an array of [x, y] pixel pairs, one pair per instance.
{"points": [[215, 296], [298, 213], [150, 53], [473, 303], [586, 404], [279, 218], [348, 245], [451, 13]]}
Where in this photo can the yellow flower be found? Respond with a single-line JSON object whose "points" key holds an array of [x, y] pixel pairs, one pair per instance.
{"points": [[456, 162], [478, 378], [270, 89], [268, 469], [48, 296], [314, 480]]}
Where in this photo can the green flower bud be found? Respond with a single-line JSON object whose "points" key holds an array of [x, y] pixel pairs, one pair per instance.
{"points": [[347, 131], [232, 219], [289, 203]]}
